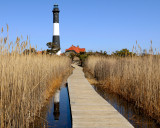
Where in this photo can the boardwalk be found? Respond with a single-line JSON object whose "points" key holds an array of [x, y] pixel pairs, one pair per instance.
{"points": [[88, 108]]}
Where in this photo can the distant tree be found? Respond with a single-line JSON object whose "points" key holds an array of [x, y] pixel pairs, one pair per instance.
{"points": [[44, 52], [90, 52], [49, 44], [33, 50], [28, 51], [123, 53], [82, 56], [144, 52], [52, 48], [105, 53]]}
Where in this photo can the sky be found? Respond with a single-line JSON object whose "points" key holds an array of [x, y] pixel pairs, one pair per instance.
{"points": [[106, 25]]}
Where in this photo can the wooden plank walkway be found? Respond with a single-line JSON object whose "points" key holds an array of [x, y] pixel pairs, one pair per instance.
{"points": [[88, 108]]}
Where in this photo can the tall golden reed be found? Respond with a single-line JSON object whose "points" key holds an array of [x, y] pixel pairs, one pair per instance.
{"points": [[25, 81], [135, 78]]}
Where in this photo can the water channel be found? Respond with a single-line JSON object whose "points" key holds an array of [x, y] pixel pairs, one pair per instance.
{"points": [[134, 115], [57, 114]]}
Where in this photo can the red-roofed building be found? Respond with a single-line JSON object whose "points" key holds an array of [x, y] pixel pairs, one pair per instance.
{"points": [[76, 50], [39, 52]]}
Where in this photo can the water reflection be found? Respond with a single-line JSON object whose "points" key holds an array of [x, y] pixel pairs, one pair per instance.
{"points": [[59, 115], [56, 112], [134, 115]]}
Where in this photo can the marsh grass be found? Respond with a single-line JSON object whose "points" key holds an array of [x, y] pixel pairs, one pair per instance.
{"points": [[26, 81], [136, 78]]}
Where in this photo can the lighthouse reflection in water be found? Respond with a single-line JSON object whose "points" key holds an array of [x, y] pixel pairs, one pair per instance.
{"points": [[56, 112]]}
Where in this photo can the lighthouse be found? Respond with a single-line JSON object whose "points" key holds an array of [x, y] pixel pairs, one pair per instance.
{"points": [[56, 37]]}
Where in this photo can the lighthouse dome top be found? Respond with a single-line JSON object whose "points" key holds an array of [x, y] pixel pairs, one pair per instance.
{"points": [[56, 9], [56, 6]]}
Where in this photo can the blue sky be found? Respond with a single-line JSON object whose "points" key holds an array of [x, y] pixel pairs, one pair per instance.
{"points": [[96, 25]]}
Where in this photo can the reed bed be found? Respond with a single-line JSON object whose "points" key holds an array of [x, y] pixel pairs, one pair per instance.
{"points": [[26, 81], [137, 79]]}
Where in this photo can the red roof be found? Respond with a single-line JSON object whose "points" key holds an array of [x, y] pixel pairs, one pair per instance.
{"points": [[76, 49], [39, 52]]}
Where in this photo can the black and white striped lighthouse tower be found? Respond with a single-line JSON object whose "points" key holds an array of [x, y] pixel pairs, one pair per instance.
{"points": [[56, 37]]}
